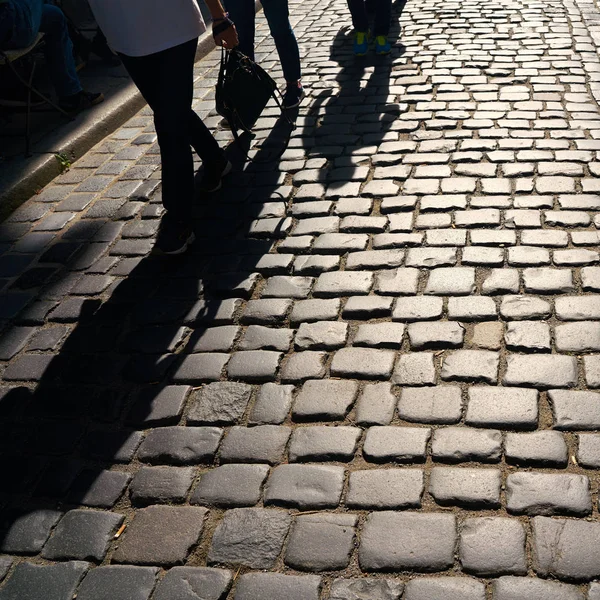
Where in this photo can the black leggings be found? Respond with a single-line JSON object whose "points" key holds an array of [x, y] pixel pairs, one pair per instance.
{"points": [[166, 81]]}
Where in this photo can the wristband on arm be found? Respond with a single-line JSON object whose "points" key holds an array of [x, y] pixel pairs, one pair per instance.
{"points": [[221, 25]]}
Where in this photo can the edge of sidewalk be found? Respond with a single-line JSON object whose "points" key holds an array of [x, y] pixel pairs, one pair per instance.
{"points": [[76, 138]]}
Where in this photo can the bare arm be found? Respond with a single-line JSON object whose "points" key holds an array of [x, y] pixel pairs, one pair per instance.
{"points": [[225, 37]]}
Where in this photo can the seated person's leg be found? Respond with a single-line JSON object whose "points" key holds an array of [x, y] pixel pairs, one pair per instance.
{"points": [[61, 64]]}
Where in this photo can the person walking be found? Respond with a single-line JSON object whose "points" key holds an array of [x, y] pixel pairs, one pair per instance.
{"points": [[242, 12], [360, 9], [20, 23], [156, 41]]}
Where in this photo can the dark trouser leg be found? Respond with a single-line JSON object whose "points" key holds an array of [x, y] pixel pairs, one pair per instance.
{"points": [[165, 79], [242, 13], [277, 15], [383, 16], [360, 19]]}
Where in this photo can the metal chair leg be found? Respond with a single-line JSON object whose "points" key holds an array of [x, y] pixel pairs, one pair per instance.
{"points": [[28, 116]]}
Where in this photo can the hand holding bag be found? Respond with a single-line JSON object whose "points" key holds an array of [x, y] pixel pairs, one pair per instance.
{"points": [[243, 90]]}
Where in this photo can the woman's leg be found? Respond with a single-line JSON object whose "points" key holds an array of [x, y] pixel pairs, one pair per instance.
{"points": [[383, 16], [277, 15], [165, 79], [242, 13], [360, 19]]}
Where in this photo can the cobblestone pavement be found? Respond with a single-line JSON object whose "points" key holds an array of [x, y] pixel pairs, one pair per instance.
{"points": [[375, 376]]}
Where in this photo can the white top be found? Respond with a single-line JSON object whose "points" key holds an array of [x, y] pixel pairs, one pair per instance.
{"points": [[142, 27]]}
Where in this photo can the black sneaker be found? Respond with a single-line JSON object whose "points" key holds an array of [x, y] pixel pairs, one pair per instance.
{"points": [[293, 95], [174, 237], [80, 101], [212, 179]]}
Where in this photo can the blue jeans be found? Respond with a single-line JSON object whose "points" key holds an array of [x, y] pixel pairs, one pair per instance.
{"points": [[20, 23], [359, 9], [277, 14]]}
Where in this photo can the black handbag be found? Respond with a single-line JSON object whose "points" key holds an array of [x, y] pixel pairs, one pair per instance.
{"points": [[243, 90]]}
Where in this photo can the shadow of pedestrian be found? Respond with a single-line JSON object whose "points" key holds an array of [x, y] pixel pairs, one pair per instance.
{"points": [[134, 360], [358, 114]]}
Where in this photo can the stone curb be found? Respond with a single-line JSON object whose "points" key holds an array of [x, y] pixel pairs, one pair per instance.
{"points": [[75, 139]]}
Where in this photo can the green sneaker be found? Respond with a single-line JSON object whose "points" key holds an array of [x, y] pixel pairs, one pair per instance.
{"points": [[382, 46], [361, 43]]}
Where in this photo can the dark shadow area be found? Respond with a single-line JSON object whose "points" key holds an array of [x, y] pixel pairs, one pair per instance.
{"points": [[86, 402], [357, 115]]}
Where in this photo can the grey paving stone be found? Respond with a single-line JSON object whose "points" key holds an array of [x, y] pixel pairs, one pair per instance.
{"points": [[543, 448], [518, 308], [471, 308], [397, 282], [200, 368], [396, 444], [307, 311], [588, 450], [193, 583], [367, 307], [315, 265], [492, 546], [583, 336], [444, 588], [325, 335], [273, 404], [528, 336], [594, 592], [321, 542], [343, 283], [323, 442], [231, 486], [517, 588], [407, 541], [5, 565], [82, 535], [471, 365], [161, 485], [417, 308], [501, 281], [385, 489], [44, 582], [363, 363], [456, 486], [180, 445], [443, 334], [592, 371], [251, 537], [514, 408], [415, 368], [451, 281], [302, 366], [97, 487], [161, 535], [258, 337], [465, 444], [25, 532], [119, 582], [379, 335], [286, 286], [541, 371], [263, 443], [219, 402], [577, 308], [365, 588], [215, 339], [435, 405], [329, 399], [15, 340], [305, 486], [265, 311], [566, 549], [548, 494], [575, 410], [374, 259], [431, 257], [159, 407], [254, 365], [259, 586], [544, 280], [375, 405]]}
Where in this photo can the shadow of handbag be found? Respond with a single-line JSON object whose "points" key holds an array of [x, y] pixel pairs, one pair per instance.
{"points": [[243, 90]]}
